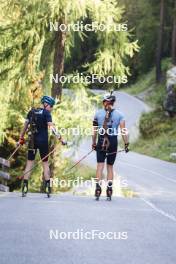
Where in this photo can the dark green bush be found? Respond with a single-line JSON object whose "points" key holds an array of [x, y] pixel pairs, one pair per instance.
{"points": [[153, 124]]}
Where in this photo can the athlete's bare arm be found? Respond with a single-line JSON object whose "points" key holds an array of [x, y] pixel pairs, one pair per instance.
{"points": [[124, 132], [56, 133], [26, 124], [94, 136]]}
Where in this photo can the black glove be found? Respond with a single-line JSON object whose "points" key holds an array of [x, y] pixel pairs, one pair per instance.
{"points": [[126, 147]]}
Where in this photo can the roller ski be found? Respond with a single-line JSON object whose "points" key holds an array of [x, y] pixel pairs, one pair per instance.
{"points": [[97, 192], [109, 191], [25, 188], [48, 188]]}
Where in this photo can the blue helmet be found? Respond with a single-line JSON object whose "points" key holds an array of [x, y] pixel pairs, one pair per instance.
{"points": [[48, 100]]}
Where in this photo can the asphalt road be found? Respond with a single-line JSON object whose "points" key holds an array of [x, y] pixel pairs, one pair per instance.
{"points": [[153, 180], [144, 227]]}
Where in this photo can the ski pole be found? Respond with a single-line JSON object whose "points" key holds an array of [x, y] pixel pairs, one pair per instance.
{"points": [[11, 156], [84, 157], [40, 161], [120, 150]]}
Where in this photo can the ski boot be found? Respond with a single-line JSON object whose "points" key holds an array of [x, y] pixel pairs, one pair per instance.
{"points": [[97, 191], [47, 188], [25, 188], [109, 191]]}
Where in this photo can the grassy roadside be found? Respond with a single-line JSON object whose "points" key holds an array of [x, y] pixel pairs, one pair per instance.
{"points": [[157, 136], [157, 130]]}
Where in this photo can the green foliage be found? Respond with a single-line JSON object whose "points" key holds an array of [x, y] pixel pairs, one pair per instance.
{"points": [[26, 46], [115, 46], [157, 131], [143, 18], [148, 90], [75, 110], [26, 61], [157, 136], [142, 84], [20, 51], [153, 124]]}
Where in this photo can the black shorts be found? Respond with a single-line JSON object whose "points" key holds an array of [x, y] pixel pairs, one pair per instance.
{"points": [[43, 150], [110, 154]]}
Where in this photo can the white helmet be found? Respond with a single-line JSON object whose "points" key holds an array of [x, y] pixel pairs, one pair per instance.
{"points": [[109, 97]]}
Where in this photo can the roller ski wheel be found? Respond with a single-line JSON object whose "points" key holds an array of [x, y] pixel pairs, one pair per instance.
{"points": [[24, 194], [48, 189], [109, 193], [97, 192], [108, 198], [24, 189]]}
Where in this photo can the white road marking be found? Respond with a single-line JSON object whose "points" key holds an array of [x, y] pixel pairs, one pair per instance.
{"points": [[150, 171], [160, 211]]}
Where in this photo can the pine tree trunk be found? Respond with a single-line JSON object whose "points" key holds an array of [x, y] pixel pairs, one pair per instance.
{"points": [[58, 63], [58, 68], [160, 43], [174, 36]]}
